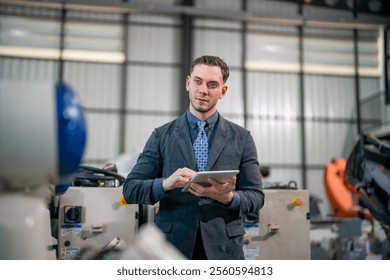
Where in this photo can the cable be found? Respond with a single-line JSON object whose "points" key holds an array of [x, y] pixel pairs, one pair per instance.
{"points": [[88, 176]]}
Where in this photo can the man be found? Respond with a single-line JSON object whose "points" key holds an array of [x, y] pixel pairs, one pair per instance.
{"points": [[206, 222]]}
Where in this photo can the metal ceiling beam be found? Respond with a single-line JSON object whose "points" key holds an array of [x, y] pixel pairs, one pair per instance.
{"points": [[363, 21]]}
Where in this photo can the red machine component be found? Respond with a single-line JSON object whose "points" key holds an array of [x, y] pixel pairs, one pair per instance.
{"points": [[342, 195]]}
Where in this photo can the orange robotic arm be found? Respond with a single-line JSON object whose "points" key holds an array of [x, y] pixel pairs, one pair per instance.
{"points": [[340, 192]]}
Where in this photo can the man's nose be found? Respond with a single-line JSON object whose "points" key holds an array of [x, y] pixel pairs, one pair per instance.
{"points": [[203, 89]]}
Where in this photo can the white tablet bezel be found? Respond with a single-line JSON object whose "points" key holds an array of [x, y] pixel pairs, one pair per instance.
{"points": [[202, 176]]}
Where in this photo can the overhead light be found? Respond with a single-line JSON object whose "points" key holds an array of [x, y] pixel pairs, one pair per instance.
{"points": [[18, 32]]}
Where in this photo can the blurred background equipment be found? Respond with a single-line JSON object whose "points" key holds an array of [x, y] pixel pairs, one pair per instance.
{"points": [[95, 221], [348, 232], [284, 226], [358, 190], [92, 213], [150, 244], [308, 77], [341, 194], [368, 170], [42, 139]]}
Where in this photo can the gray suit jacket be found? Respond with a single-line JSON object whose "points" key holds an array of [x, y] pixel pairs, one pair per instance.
{"points": [[170, 148]]}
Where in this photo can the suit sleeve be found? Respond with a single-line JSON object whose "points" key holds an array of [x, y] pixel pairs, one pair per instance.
{"points": [[250, 187], [138, 185]]}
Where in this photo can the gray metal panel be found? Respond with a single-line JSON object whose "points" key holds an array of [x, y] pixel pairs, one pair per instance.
{"points": [[330, 97], [234, 118], [29, 32], [153, 88], [272, 7], [217, 23], [233, 102], [93, 16], [154, 19], [372, 104], [372, 110], [231, 5], [269, 28], [323, 12], [315, 181], [139, 128], [226, 45], [278, 142], [93, 36], [273, 94], [346, 34], [272, 47], [386, 115], [154, 44], [16, 69], [273, 102], [21, 10], [102, 136], [325, 141], [98, 85], [369, 86], [152, 1]]}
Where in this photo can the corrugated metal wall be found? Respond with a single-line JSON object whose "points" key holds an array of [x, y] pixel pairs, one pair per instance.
{"points": [[125, 100]]}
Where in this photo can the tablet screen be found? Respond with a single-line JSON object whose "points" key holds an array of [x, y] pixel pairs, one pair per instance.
{"points": [[202, 176]]}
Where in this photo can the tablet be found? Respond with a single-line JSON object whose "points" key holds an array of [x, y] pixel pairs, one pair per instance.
{"points": [[202, 176]]}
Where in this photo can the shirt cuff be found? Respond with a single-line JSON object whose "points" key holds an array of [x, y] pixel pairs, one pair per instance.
{"points": [[157, 192], [235, 204]]}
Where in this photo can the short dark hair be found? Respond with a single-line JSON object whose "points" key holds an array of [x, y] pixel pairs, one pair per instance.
{"points": [[212, 61]]}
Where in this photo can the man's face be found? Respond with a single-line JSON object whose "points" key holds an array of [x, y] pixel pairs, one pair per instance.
{"points": [[205, 87]]}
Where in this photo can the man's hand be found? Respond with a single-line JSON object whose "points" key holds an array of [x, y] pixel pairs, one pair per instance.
{"points": [[222, 192], [178, 179]]}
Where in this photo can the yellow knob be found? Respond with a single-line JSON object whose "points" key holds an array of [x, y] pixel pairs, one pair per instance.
{"points": [[122, 201], [297, 202]]}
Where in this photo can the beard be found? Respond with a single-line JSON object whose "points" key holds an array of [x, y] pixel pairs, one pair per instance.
{"points": [[202, 108]]}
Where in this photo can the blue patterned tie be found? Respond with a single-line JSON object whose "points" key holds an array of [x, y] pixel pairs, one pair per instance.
{"points": [[201, 147]]}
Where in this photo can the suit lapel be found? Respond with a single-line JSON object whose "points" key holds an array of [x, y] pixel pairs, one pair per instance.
{"points": [[184, 144], [221, 137]]}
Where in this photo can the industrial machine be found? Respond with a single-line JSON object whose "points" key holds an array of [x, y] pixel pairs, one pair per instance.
{"points": [[352, 225], [95, 222], [51, 207], [368, 171], [341, 194], [93, 218], [283, 229], [42, 139], [358, 190]]}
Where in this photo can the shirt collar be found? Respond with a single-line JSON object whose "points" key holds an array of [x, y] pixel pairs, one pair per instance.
{"points": [[192, 120]]}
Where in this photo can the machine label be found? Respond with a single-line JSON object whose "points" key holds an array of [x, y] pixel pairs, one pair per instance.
{"points": [[251, 250], [70, 253], [71, 230], [251, 253]]}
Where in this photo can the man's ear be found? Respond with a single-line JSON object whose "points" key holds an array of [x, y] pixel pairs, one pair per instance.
{"points": [[188, 79], [223, 92]]}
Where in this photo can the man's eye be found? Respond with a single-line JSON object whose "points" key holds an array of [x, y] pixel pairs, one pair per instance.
{"points": [[212, 85], [198, 82]]}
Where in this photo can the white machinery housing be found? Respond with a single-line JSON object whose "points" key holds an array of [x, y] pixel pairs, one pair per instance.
{"points": [[42, 139], [90, 218], [283, 232]]}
